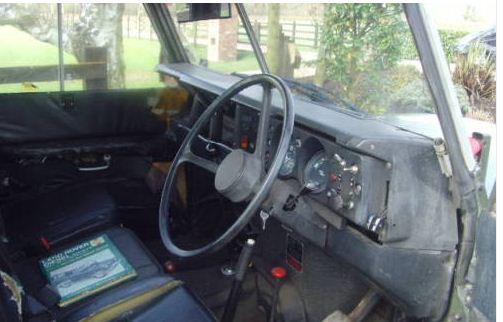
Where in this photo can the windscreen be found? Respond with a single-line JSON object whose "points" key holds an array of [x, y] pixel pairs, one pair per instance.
{"points": [[360, 57]]}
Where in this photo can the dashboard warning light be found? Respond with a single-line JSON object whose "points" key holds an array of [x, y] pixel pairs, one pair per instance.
{"points": [[245, 142]]}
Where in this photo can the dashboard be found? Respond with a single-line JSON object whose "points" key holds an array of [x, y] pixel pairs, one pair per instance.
{"points": [[353, 185], [357, 187]]}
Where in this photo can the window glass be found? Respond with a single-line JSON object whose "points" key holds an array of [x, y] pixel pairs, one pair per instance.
{"points": [[29, 51], [468, 33], [105, 46], [220, 44], [114, 46]]}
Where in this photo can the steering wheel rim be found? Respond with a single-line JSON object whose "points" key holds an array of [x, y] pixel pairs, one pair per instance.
{"points": [[260, 190]]}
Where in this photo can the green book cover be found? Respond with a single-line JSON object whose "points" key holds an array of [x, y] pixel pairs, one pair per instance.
{"points": [[85, 269]]}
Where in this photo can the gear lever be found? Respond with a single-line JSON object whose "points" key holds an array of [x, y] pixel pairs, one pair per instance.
{"points": [[241, 268]]}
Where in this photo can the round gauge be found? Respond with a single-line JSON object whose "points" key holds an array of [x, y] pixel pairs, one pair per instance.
{"points": [[316, 172], [289, 162]]}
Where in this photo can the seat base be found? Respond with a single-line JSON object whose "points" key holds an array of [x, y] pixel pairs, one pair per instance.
{"points": [[176, 305]]}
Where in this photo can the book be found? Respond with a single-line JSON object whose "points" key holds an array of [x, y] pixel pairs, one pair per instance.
{"points": [[85, 269]]}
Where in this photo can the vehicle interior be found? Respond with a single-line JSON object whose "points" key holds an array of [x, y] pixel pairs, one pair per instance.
{"points": [[246, 203]]}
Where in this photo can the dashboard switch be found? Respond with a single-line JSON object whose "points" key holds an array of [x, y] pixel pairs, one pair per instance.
{"points": [[339, 159], [353, 169]]}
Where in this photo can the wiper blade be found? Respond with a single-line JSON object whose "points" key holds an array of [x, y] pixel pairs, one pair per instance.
{"points": [[321, 95], [309, 90]]}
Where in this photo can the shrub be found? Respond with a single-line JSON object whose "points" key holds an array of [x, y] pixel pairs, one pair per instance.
{"points": [[415, 97], [476, 72], [402, 89]]}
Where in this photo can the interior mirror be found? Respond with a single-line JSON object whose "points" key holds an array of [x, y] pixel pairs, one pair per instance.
{"points": [[188, 12]]}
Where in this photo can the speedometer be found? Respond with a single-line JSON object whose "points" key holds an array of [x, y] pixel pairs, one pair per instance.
{"points": [[316, 172]]}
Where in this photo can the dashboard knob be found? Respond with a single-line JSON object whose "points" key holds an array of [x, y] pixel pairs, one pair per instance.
{"points": [[349, 205], [338, 202], [358, 189]]}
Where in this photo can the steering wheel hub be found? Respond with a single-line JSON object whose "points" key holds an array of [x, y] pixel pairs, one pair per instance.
{"points": [[237, 175]]}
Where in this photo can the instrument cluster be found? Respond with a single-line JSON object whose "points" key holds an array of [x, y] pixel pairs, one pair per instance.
{"points": [[328, 172], [353, 185]]}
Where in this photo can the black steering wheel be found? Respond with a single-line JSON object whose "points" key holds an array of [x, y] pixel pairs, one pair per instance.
{"points": [[241, 175]]}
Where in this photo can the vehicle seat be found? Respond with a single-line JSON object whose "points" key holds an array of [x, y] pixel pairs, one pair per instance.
{"points": [[177, 303], [49, 219]]}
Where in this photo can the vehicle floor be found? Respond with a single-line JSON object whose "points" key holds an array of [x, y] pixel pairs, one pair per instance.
{"points": [[213, 288], [204, 277]]}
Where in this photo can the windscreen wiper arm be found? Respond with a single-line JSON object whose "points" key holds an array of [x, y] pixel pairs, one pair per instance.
{"points": [[318, 94]]}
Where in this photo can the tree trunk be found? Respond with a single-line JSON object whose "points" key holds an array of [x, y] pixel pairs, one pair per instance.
{"points": [[320, 74], [100, 25], [274, 43]]}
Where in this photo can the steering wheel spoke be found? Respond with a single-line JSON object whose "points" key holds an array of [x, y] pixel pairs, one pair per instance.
{"points": [[190, 157], [263, 127]]}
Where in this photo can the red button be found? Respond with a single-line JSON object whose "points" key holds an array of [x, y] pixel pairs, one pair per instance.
{"points": [[334, 177], [278, 272], [170, 267]]}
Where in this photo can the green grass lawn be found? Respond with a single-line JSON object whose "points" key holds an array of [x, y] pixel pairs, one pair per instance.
{"points": [[140, 57]]}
